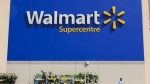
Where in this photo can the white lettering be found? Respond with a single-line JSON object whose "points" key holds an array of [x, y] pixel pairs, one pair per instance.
{"points": [[66, 18], [48, 19], [80, 19], [89, 16], [34, 16], [95, 17], [55, 17]]}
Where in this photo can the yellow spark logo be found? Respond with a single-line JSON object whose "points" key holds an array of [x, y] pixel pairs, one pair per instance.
{"points": [[114, 22]]}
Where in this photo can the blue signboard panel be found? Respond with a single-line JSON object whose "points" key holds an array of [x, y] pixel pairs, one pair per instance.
{"points": [[40, 42]]}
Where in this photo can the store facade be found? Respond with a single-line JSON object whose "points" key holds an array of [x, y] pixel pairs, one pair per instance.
{"points": [[101, 37]]}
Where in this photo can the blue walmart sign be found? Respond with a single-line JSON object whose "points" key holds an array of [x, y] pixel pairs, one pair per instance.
{"points": [[99, 30]]}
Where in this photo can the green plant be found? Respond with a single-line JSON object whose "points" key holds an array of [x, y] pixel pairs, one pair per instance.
{"points": [[75, 76], [96, 77], [8, 78], [63, 75], [38, 75], [81, 75], [1, 76], [67, 75], [43, 74], [50, 73]]}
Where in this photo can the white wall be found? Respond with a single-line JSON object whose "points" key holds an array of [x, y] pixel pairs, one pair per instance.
{"points": [[146, 35], [4, 21], [109, 72]]}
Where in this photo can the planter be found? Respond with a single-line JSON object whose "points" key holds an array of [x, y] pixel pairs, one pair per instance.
{"points": [[8, 78], [80, 78]]}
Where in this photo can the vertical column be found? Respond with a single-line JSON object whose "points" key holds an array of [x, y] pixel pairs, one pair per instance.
{"points": [[4, 27], [146, 33]]}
